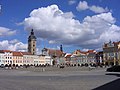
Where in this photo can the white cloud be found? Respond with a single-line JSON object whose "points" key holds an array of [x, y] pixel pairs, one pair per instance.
{"points": [[96, 9], [71, 2], [50, 23], [82, 6], [16, 46], [6, 31], [14, 41]]}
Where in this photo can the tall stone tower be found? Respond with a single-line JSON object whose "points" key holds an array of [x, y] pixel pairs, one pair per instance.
{"points": [[32, 43]]}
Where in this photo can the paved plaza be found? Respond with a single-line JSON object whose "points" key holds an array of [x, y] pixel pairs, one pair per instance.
{"points": [[71, 78]]}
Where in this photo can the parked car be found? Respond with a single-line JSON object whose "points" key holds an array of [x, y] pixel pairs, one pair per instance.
{"points": [[2, 66], [62, 66], [115, 68]]}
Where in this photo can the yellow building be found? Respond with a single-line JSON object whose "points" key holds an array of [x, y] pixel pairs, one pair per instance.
{"points": [[111, 53]]}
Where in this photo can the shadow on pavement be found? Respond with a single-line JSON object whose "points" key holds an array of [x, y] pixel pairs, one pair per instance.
{"points": [[114, 85], [113, 73]]}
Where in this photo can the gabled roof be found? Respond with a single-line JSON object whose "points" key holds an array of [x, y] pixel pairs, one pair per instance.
{"points": [[26, 53], [91, 51], [3, 51], [17, 53], [108, 44], [68, 55], [78, 52], [54, 52]]}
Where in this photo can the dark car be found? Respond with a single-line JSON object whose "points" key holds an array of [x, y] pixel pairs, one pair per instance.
{"points": [[62, 66], [115, 68], [2, 66]]}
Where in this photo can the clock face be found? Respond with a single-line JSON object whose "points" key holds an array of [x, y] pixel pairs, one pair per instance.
{"points": [[119, 46]]}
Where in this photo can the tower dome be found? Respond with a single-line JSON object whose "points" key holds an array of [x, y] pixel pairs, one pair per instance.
{"points": [[32, 36]]}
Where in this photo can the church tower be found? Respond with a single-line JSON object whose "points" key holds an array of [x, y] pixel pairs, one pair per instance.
{"points": [[32, 43]]}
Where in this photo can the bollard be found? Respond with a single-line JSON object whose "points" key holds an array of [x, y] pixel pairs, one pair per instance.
{"points": [[43, 69]]}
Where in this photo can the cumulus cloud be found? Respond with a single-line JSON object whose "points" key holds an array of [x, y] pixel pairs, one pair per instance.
{"points": [[71, 2], [13, 45], [54, 25], [83, 5], [6, 31], [98, 9]]}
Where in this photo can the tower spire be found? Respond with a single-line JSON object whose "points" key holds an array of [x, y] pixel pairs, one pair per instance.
{"points": [[61, 49], [32, 33]]}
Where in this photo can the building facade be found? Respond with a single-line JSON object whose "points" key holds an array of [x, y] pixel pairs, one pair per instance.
{"points": [[99, 58], [57, 56], [2, 59], [28, 58], [6, 57], [83, 57], [17, 58], [111, 53]]}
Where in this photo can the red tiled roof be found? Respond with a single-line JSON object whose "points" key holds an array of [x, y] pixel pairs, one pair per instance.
{"points": [[17, 53], [26, 53], [53, 52], [85, 52], [116, 42], [68, 56], [2, 51], [91, 51]]}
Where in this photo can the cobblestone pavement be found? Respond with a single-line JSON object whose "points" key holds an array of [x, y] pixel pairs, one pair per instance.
{"points": [[60, 79]]}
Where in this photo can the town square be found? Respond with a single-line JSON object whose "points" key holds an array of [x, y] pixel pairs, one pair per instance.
{"points": [[59, 45], [71, 78]]}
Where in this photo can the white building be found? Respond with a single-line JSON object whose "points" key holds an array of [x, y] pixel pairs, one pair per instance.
{"points": [[28, 58], [7, 56], [36, 60], [48, 60], [14, 58], [2, 59]]}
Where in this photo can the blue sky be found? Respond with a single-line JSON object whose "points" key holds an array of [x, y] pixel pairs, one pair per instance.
{"points": [[76, 24]]}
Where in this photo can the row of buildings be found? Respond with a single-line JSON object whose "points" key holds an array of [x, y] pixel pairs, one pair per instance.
{"points": [[109, 56], [48, 57], [13, 58]]}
